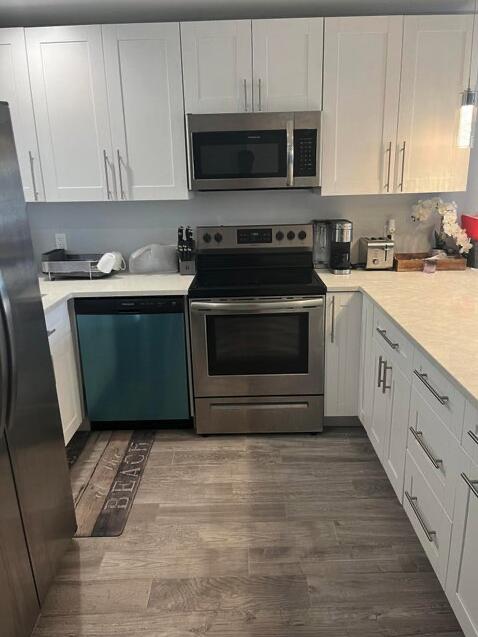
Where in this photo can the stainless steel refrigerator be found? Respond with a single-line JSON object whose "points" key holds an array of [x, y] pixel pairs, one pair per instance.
{"points": [[37, 517]]}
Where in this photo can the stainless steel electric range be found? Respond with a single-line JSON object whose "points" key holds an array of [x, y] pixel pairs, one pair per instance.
{"points": [[257, 331]]}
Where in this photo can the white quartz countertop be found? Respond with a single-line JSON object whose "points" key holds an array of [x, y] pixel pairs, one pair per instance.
{"points": [[439, 312], [55, 292]]}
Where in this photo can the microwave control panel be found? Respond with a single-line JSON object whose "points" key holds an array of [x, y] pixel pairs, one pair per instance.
{"points": [[305, 152]]}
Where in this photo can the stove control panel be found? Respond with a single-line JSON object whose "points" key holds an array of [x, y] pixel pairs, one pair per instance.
{"points": [[255, 237]]}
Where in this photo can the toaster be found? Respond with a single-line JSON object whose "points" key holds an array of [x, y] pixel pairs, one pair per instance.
{"points": [[376, 253]]}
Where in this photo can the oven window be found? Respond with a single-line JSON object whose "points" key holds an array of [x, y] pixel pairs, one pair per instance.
{"points": [[258, 344], [240, 154]]}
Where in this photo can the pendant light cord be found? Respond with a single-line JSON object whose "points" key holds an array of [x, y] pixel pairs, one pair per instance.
{"points": [[472, 44]]}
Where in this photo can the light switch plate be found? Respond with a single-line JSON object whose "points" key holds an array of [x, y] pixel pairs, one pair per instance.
{"points": [[60, 241]]}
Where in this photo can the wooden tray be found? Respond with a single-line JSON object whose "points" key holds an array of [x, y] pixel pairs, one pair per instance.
{"points": [[413, 262]]}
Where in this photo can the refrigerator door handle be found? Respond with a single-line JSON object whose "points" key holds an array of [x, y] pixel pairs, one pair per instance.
{"points": [[9, 361]]}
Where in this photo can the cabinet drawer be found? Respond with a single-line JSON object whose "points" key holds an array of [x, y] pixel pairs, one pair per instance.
{"points": [[435, 450], [440, 393], [428, 518], [393, 340], [462, 576], [470, 431]]}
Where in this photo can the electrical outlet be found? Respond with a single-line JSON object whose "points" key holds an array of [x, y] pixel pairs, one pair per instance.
{"points": [[60, 240]]}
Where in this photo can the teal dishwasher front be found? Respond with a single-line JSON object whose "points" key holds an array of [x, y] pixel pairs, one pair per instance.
{"points": [[133, 358]]}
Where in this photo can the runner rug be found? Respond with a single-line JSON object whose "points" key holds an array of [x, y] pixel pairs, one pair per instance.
{"points": [[105, 480]]}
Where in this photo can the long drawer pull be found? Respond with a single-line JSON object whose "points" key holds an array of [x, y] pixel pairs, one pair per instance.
{"points": [[383, 334], [424, 378], [51, 332], [414, 504], [473, 484], [418, 435], [473, 436]]}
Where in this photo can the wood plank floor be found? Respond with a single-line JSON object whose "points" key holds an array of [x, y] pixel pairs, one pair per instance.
{"points": [[259, 536]]}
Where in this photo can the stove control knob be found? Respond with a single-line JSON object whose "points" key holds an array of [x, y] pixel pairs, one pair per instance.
{"points": [[218, 237], [279, 235], [206, 237], [291, 235], [302, 235]]}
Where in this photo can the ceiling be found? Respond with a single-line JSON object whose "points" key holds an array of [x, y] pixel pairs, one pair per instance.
{"points": [[50, 12]]}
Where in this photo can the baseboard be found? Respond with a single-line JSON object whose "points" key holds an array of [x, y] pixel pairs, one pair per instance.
{"points": [[342, 421]]}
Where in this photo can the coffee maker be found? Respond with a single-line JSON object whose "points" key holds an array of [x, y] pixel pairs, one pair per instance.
{"points": [[340, 243]]}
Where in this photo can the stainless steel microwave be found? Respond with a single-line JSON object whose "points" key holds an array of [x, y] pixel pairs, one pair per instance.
{"points": [[238, 151]]}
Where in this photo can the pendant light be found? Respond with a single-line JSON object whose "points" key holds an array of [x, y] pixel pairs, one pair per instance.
{"points": [[469, 101]]}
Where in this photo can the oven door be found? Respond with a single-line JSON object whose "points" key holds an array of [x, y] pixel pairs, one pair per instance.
{"points": [[241, 151], [258, 347]]}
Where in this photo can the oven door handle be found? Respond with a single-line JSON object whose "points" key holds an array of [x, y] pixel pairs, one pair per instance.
{"points": [[255, 306]]}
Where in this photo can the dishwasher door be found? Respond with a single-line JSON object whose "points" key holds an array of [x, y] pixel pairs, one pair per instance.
{"points": [[133, 358]]}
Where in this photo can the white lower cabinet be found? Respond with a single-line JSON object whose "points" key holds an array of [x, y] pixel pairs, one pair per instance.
{"points": [[429, 519], [425, 433], [365, 386], [62, 348], [462, 579], [389, 421], [342, 353]]}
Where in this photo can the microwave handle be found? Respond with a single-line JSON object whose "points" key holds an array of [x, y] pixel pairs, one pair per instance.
{"points": [[290, 152]]}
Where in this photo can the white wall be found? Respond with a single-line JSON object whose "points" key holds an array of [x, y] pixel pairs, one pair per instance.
{"points": [[99, 227]]}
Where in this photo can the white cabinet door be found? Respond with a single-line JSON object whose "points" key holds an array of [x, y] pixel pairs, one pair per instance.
{"points": [[71, 111], [366, 390], [462, 578], [342, 353], [396, 442], [143, 73], [15, 89], [380, 426], [62, 350], [435, 69], [287, 56], [217, 66], [362, 57]]}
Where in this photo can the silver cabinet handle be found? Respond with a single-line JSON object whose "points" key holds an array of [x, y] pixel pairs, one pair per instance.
{"points": [[418, 435], [259, 82], [122, 191], [414, 504], [473, 436], [109, 194], [473, 484], [332, 322], [290, 152], [51, 332], [384, 383], [36, 194], [383, 334], [402, 150], [244, 83], [443, 400], [389, 151], [380, 363]]}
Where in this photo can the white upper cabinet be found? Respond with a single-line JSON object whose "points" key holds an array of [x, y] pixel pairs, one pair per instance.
{"points": [[145, 94], [287, 56], [15, 89], [217, 66], [361, 94], [435, 70], [68, 85]]}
